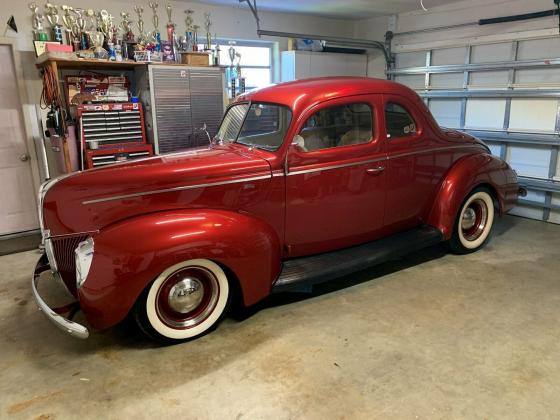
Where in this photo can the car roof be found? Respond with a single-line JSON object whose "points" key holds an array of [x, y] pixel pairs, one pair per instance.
{"points": [[300, 94]]}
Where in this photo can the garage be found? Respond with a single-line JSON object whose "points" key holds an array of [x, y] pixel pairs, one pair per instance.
{"points": [[264, 209]]}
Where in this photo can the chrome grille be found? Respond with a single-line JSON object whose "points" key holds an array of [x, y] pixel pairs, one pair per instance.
{"points": [[64, 248]]}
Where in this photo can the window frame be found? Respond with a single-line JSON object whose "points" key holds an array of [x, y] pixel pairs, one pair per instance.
{"points": [[324, 106], [225, 44], [411, 114]]}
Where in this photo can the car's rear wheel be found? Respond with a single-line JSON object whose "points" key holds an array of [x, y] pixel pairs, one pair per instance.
{"points": [[184, 302], [474, 222]]}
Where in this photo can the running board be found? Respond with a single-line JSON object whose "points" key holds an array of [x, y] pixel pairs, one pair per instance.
{"points": [[330, 265]]}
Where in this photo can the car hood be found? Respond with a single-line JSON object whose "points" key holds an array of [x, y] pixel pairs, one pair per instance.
{"points": [[89, 200]]}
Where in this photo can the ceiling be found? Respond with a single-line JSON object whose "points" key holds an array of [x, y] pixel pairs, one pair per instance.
{"points": [[342, 9]]}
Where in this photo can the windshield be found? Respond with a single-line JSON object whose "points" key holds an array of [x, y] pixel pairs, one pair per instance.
{"points": [[259, 125]]}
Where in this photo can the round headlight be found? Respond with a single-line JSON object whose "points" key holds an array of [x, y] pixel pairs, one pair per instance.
{"points": [[84, 257]]}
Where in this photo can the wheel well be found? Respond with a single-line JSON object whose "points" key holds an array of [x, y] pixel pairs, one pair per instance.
{"points": [[494, 193], [236, 291]]}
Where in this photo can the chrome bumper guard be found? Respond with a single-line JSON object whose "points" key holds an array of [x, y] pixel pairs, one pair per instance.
{"points": [[70, 327]]}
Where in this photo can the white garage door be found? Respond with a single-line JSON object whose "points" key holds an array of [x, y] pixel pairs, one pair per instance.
{"points": [[508, 95]]}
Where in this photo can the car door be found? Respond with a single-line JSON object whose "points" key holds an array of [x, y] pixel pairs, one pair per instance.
{"points": [[412, 168], [335, 176]]}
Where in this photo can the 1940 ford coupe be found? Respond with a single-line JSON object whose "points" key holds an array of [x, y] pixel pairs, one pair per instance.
{"points": [[304, 182]]}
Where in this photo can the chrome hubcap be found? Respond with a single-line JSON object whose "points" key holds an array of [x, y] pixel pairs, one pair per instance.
{"points": [[469, 219], [186, 295]]}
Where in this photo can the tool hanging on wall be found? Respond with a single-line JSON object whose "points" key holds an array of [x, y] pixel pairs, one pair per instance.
{"points": [[50, 98]]}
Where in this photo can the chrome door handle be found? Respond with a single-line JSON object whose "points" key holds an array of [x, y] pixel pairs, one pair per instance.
{"points": [[24, 157], [375, 171]]}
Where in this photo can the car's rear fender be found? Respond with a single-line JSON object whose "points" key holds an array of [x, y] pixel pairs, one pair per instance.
{"points": [[130, 254], [466, 174]]}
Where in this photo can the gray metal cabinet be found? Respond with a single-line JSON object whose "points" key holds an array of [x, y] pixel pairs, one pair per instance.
{"points": [[179, 101]]}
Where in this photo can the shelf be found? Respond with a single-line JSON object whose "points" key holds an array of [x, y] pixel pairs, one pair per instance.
{"points": [[81, 63]]}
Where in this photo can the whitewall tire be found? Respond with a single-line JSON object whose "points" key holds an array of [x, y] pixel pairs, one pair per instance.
{"points": [[474, 222], [185, 301]]}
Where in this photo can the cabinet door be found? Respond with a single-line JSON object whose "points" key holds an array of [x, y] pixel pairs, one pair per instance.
{"points": [[207, 98], [171, 103]]}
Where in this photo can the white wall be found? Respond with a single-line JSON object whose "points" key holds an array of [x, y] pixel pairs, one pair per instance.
{"points": [[228, 22], [373, 29]]}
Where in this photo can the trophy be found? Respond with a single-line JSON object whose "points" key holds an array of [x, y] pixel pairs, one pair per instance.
{"points": [[104, 25], [37, 22], [126, 27], [170, 24], [207, 25], [187, 43], [98, 38], [90, 13], [69, 21], [141, 35], [155, 34], [81, 24], [52, 17], [195, 37]]}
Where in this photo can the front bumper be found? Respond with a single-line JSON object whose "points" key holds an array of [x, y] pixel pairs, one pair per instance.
{"points": [[70, 327]]}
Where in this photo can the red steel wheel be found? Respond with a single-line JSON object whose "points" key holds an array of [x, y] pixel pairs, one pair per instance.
{"points": [[186, 300]]}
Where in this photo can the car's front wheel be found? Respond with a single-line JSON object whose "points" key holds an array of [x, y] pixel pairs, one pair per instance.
{"points": [[474, 222], [185, 301]]}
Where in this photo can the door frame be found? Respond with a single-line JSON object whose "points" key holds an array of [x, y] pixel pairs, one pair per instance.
{"points": [[25, 118]]}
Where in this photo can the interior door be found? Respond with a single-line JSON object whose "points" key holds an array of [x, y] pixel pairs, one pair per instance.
{"points": [[18, 211], [335, 183]]}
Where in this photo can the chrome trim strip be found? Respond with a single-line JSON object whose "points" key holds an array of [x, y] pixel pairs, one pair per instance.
{"points": [[185, 187], [435, 149], [70, 327], [87, 232], [342, 165], [382, 159]]}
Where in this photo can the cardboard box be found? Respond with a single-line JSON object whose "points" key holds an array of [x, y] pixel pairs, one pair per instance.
{"points": [[201, 59]]}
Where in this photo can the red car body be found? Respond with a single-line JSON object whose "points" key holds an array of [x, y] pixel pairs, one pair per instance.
{"points": [[249, 209]]}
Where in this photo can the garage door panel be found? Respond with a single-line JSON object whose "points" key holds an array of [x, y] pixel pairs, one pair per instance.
{"points": [[412, 81], [447, 81], [491, 53], [537, 77], [495, 103], [446, 56], [533, 115], [495, 148], [447, 112], [527, 211], [485, 114], [530, 161], [533, 49], [411, 59], [488, 79], [555, 214]]}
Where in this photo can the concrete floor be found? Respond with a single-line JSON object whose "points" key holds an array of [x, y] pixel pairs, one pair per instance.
{"points": [[430, 336]]}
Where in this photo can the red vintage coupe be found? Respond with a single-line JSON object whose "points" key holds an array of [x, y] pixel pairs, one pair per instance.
{"points": [[304, 182]]}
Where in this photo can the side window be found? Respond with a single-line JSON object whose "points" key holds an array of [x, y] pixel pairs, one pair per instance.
{"points": [[398, 121], [337, 126]]}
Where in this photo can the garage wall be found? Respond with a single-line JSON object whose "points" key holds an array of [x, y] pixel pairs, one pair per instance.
{"points": [[373, 29], [228, 22], [499, 82]]}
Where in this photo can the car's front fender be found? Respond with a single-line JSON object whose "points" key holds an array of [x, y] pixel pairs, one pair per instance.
{"points": [[132, 253], [465, 175]]}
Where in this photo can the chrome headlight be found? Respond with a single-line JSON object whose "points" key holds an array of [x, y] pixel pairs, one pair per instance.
{"points": [[84, 257]]}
